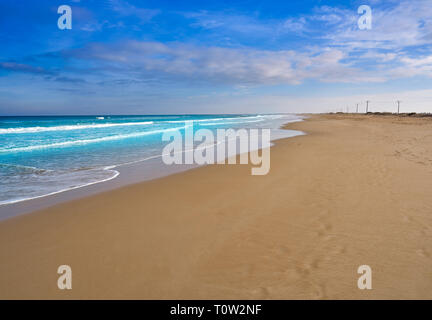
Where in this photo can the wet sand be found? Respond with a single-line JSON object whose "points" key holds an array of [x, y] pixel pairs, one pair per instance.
{"points": [[355, 190]]}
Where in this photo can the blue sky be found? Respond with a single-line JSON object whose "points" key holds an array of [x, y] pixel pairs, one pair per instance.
{"points": [[159, 57]]}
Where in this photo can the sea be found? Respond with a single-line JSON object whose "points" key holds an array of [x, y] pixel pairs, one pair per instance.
{"points": [[45, 155]]}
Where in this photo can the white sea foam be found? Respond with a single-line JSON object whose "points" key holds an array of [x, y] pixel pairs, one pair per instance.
{"points": [[71, 127], [114, 175], [215, 119], [22, 168], [85, 141], [231, 122]]}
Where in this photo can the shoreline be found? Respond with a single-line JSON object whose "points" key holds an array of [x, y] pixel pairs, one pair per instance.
{"points": [[125, 174], [354, 190]]}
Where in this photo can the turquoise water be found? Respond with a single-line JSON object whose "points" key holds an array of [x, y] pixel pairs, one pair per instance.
{"points": [[46, 155]]}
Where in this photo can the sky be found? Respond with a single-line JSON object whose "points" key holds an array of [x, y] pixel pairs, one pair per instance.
{"points": [[176, 57]]}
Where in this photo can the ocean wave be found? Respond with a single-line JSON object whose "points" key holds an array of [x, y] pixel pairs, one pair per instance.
{"points": [[214, 119], [125, 124], [71, 127], [230, 122], [114, 174], [86, 141], [23, 169]]}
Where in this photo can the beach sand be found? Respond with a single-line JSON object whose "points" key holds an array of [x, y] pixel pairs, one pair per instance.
{"points": [[356, 190]]}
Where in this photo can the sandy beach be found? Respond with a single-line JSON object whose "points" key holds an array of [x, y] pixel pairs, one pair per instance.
{"points": [[355, 190]]}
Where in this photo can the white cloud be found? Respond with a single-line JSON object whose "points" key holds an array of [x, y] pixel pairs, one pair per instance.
{"points": [[224, 65], [124, 8], [408, 23]]}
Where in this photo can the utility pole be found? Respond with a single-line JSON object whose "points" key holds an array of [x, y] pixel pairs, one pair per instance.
{"points": [[357, 108], [398, 102], [367, 106]]}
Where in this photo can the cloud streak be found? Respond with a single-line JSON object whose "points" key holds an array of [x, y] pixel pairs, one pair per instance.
{"points": [[222, 65], [20, 67]]}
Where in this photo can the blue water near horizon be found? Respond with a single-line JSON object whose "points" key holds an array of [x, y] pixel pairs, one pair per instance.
{"points": [[42, 155]]}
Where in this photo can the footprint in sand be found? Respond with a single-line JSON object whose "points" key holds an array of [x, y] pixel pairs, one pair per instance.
{"points": [[283, 250], [407, 219], [261, 293], [318, 292], [425, 231], [303, 270], [423, 253], [324, 228], [339, 250], [291, 274]]}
